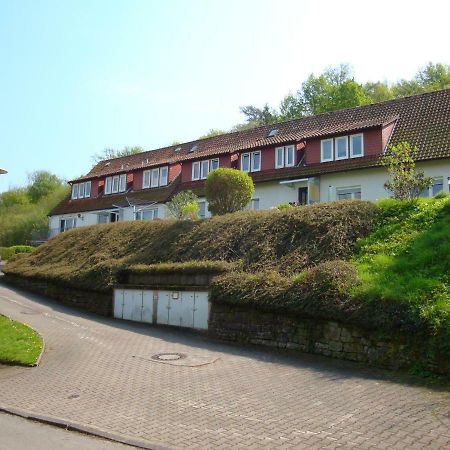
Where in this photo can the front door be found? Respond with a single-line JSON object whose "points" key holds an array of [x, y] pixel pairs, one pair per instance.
{"points": [[303, 196]]}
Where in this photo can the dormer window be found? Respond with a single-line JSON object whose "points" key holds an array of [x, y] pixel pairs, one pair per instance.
{"points": [[115, 184], [81, 190], [356, 146], [155, 177], [201, 169], [342, 147], [326, 150], [284, 156]]}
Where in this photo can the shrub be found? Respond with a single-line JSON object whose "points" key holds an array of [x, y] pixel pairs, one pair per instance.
{"points": [[228, 190], [8, 252], [184, 205]]}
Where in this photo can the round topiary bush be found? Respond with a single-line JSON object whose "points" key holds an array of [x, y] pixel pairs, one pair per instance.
{"points": [[228, 190]]}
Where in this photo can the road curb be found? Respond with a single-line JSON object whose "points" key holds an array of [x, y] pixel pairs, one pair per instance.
{"points": [[86, 429]]}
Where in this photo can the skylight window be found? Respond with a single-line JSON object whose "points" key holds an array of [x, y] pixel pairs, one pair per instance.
{"points": [[178, 149], [273, 133], [193, 148]]}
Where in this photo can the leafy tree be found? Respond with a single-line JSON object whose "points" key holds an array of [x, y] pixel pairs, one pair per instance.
{"points": [[211, 133], [259, 116], [16, 196], [42, 183], [228, 190], [110, 153], [184, 205], [377, 92], [406, 182]]}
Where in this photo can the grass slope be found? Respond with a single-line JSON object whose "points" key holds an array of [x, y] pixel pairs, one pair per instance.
{"points": [[18, 342]]}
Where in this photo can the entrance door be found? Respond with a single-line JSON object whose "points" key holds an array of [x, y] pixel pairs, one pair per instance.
{"points": [[303, 196]]}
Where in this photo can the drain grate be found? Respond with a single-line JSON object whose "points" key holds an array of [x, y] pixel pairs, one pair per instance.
{"points": [[168, 356]]}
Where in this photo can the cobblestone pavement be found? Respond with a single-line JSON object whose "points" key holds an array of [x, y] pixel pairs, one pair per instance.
{"points": [[98, 372]]}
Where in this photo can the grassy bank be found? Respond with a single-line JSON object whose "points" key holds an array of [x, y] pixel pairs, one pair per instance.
{"points": [[19, 344]]}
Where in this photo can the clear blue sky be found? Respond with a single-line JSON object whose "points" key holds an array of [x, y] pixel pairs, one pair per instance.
{"points": [[82, 75]]}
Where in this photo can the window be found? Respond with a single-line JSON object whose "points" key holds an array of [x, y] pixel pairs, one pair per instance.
{"points": [[245, 162], [435, 188], [147, 214], [254, 204], [123, 182], [284, 157], [202, 210], [279, 157], [81, 190], [204, 169], [74, 191], [273, 133], [256, 162], [326, 150], [348, 193], [154, 178], [163, 172], [115, 184], [146, 179], [214, 164], [356, 146], [67, 224], [341, 147], [196, 170], [108, 185], [289, 156]]}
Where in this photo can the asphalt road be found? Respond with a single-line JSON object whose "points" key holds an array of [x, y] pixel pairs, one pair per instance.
{"points": [[17, 433]]}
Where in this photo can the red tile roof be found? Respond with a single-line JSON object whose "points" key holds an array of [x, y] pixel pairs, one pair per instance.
{"points": [[423, 120]]}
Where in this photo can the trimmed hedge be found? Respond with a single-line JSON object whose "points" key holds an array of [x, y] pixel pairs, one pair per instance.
{"points": [[286, 241]]}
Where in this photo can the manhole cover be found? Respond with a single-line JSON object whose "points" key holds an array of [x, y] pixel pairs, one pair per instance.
{"points": [[168, 356]]}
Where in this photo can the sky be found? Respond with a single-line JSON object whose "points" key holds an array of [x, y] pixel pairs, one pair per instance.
{"points": [[79, 76]]}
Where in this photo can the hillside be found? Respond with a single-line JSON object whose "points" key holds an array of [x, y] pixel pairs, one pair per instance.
{"points": [[381, 266]]}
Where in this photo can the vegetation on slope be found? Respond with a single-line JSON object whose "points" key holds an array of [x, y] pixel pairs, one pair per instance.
{"points": [[286, 241], [19, 344], [23, 210]]}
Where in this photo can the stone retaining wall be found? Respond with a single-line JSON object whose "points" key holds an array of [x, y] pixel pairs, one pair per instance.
{"points": [[92, 301], [240, 324]]}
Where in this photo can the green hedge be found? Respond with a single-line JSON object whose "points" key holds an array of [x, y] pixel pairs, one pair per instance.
{"points": [[7, 252]]}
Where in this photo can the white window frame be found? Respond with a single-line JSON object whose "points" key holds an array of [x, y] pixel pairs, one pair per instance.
{"points": [[350, 190], [195, 168], [87, 189], [252, 161], [108, 185], [204, 167], [115, 184], [123, 182], [153, 211], [74, 191], [322, 142], [81, 190], [286, 159], [279, 151], [154, 178], [163, 175], [146, 179], [243, 156], [336, 147], [351, 145], [212, 162]]}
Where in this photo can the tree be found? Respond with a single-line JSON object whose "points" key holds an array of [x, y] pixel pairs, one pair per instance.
{"points": [[41, 184], [259, 116], [228, 190], [406, 182], [183, 206], [110, 153], [378, 91], [211, 133], [16, 196]]}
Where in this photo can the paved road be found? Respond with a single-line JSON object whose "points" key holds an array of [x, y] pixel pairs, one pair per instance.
{"points": [[99, 373], [22, 434]]}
